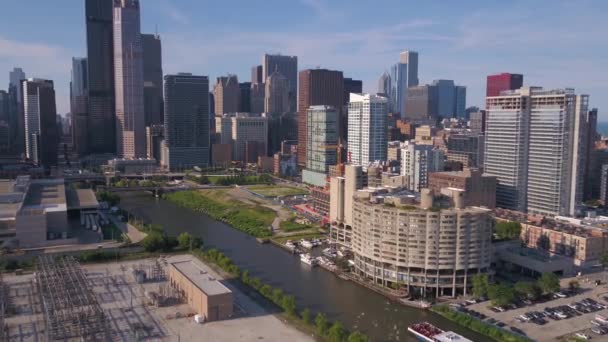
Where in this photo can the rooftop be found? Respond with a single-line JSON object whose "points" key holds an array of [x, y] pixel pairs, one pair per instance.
{"points": [[81, 199], [48, 194], [199, 275]]}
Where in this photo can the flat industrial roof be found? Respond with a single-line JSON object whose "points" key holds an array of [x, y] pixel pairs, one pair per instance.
{"points": [[46, 194], [81, 199], [199, 275]]}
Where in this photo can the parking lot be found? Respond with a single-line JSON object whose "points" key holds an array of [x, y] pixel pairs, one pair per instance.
{"points": [[553, 319]]}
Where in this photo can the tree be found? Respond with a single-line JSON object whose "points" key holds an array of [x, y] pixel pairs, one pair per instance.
{"points": [[153, 242], [574, 285], [184, 240], [288, 303], [528, 290], [507, 230], [501, 294], [357, 337], [306, 316], [481, 283], [549, 282], [277, 296], [322, 324], [337, 333], [197, 242]]}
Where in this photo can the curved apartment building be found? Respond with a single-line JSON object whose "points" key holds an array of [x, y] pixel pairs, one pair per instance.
{"points": [[431, 249]]}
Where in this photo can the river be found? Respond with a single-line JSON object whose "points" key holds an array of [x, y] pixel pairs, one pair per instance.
{"points": [[319, 290]]}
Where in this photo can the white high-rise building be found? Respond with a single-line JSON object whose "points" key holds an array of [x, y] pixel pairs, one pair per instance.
{"points": [[403, 75], [534, 146], [417, 161], [129, 80], [367, 128]]}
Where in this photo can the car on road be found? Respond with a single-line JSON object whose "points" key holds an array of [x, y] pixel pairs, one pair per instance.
{"points": [[599, 330], [583, 336]]}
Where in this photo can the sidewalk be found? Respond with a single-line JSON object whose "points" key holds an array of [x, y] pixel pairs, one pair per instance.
{"points": [[134, 235]]}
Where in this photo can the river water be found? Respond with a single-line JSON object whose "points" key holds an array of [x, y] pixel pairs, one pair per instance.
{"points": [[317, 289]]}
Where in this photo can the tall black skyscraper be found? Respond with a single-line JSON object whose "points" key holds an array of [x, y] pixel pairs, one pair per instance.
{"points": [[187, 141], [40, 116], [101, 122], [153, 79], [245, 97]]}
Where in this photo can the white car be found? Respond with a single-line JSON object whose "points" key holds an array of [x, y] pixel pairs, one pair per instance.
{"points": [[560, 295]]}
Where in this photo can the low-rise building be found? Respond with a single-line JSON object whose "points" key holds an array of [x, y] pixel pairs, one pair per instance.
{"points": [[479, 189], [206, 295]]}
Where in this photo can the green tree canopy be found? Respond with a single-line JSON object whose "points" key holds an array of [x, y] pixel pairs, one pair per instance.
{"points": [[528, 290], [184, 240], [501, 294], [357, 337], [481, 283], [337, 333], [507, 230], [322, 324], [306, 316], [549, 282]]}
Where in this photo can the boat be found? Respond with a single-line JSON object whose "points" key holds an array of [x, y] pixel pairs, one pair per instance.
{"points": [[306, 244], [427, 332], [308, 259]]}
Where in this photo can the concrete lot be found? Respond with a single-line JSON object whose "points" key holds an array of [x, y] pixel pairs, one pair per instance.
{"points": [[133, 318], [553, 330]]}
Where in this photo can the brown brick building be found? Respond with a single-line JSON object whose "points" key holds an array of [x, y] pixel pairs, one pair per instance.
{"points": [[479, 190]]}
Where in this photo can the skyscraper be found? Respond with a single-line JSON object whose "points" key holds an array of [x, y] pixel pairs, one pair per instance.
{"points": [[403, 75], [256, 98], [367, 129], [129, 80], [226, 93], [505, 81], [445, 98], [591, 137], [245, 97], [321, 144], [79, 92], [16, 125], [417, 161], [422, 102], [385, 85], [288, 67], [153, 79], [101, 130], [276, 99], [246, 134], [40, 117], [317, 87], [460, 102], [187, 142], [522, 125], [257, 74]]}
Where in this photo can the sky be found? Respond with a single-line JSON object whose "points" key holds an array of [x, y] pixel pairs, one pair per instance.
{"points": [[554, 43]]}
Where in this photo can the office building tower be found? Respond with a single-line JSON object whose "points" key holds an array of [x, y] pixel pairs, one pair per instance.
{"points": [[445, 98], [15, 77], [317, 87], [422, 103], [367, 129], [257, 96], [440, 253], [4, 106], [153, 79], [477, 122], [154, 142], [101, 119], [467, 149], [226, 94], [5, 143], [129, 81], [341, 192], [460, 102], [257, 74], [591, 137], [417, 161], [16, 124], [522, 125], [321, 144], [604, 184], [288, 67], [246, 134], [385, 85], [281, 127], [403, 75], [351, 86], [276, 95], [245, 97], [40, 117], [505, 81], [79, 93], [186, 136]]}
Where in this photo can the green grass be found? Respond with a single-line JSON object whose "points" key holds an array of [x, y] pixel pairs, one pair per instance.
{"points": [[276, 190], [292, 226], [251, 219], [283, 239]]}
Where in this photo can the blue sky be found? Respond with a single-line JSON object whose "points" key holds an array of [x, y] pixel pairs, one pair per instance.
{"points": [[553, 43]]}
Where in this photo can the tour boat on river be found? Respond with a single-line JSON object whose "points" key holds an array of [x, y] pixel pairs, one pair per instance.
{"points": [[427, 332]]}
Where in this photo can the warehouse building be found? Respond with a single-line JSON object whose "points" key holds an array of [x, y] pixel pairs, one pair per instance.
{"points": [[206, 295]]}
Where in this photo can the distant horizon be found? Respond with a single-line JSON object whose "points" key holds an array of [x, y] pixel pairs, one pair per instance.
{"points": [[464, 43]]}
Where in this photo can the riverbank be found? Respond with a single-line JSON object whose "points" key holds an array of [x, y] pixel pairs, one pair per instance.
{"points": [[253, 219], [476, 325]]}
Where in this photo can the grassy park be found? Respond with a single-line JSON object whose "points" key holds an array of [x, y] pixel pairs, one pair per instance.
{"points": [[276, 190]]}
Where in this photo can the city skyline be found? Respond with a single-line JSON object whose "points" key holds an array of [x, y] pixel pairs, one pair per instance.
{"points": [[483, 40]]}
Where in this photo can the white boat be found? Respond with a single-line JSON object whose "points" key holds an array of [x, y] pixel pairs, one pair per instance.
{"points": [[427, 332], [308, 259], [306, 244]]}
